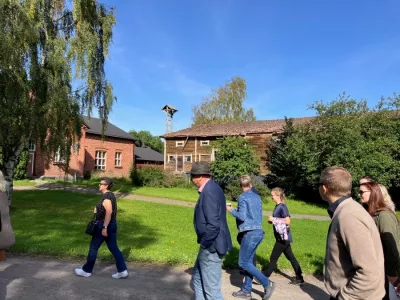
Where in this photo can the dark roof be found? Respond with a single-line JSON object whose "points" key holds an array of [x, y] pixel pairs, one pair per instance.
{"points": [[234, 129], [94, 126], [144, 153]]}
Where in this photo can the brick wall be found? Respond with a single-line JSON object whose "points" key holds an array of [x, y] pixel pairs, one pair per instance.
{"points": [[94, 143], [83, 160]]}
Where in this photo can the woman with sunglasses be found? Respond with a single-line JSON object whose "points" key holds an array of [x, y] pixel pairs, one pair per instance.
{"points": [[388, 227], [106, 217]]}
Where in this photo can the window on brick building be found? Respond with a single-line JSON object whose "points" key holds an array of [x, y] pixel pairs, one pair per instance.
{"points": [[118, 156], [58, 158], [32, 145], [100, 161]]}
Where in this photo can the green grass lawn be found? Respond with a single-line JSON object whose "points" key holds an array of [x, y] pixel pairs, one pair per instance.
{"points": [[24, 182], [53, 223]]}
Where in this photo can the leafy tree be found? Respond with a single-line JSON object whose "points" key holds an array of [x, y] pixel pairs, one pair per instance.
{"points": [[52, 59], [234, 158], [224, 105], [146, 138], [345, 132]]}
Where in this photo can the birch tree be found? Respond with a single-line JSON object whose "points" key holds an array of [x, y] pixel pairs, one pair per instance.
{"points": [[52, 56]]}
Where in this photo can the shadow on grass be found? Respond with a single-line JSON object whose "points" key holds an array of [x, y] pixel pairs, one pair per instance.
{"points": [[318, 262], [54, 222]]}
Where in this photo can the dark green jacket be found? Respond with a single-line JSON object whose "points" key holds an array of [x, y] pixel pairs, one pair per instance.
{"points": [[389, 229]]}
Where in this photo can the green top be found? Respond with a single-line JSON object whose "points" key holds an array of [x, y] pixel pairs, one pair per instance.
{"points": [[389, 229]]}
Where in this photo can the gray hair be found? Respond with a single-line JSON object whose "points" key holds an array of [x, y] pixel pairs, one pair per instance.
{"points": [[3, 183], [245, 181]]}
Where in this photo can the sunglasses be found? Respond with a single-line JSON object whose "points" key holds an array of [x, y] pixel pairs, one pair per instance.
{"points": [[362, 192]]}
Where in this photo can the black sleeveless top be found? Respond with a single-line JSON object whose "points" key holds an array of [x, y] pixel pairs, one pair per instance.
{"points": [[101, 211]]}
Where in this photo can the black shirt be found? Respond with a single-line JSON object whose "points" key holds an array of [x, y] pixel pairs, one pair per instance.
{"points": [[334, 206], [101, 211]]}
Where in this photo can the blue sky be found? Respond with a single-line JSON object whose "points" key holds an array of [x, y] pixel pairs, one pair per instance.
{"points": [[291, 53]]}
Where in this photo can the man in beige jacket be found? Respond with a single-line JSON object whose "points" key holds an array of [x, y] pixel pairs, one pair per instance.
{"points": [[354, 264]]}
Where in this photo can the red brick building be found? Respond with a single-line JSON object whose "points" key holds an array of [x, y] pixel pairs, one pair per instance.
{"points": [[112, 156]]}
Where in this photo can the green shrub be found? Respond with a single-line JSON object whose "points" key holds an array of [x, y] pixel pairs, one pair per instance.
{"points": [[233, 190], [148, 176], [21, 168]]}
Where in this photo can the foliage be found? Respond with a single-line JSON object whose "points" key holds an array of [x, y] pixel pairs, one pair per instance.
{"points": [[156, 177], [145, 138], [149, 232], [46, 49], [148, 176], [224, 105], [234, 157], [345, 132], [233, 190], [22, 165]]}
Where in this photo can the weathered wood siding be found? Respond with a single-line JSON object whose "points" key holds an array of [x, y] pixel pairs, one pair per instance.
{"points": [[260, 143], [192, 147], [181, 153]]}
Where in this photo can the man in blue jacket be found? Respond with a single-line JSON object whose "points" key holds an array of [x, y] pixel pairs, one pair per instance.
{"points": [[249, 216], [212, 234]]}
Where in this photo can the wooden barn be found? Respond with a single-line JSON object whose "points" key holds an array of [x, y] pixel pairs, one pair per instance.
{"points": [[189, 145]]}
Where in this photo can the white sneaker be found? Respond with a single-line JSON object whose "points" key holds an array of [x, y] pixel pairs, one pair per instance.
{"points": [[80, 272], [120, 275]]}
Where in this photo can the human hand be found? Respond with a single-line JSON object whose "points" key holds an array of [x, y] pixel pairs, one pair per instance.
{"points": [[270, 219], [104, 232], [228, 207]]}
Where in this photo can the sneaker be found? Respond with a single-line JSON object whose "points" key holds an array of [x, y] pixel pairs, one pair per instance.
{"points": [[242, 295], [80, 272], [120, 275], [269, 290], [297, 281]]}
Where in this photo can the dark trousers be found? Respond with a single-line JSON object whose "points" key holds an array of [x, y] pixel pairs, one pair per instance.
{"points": [[285, 248], [111, 241]]}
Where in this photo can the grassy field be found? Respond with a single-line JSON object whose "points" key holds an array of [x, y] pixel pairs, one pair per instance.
{"points": [[186, 194], [53, 223]]}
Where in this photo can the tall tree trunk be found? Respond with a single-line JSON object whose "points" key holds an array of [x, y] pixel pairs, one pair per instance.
{"points": [[9, 164]]}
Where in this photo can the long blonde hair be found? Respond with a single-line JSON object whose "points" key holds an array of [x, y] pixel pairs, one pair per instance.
{"points": [[281, 193], [387, 198], [3, 183]]}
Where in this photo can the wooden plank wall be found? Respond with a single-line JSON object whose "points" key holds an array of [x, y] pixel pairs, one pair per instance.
{"points": [[259, 142]]}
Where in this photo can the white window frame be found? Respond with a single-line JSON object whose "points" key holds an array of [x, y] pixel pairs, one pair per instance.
{"points": [[204, 143], [213, 154], [118, 159], [100, 157], [180, 143], [58, 159], [187, 155], [204, 154], [172, 161], [31, 145]]}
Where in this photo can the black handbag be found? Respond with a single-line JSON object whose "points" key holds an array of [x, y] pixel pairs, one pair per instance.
{"points": [[91, 227]]}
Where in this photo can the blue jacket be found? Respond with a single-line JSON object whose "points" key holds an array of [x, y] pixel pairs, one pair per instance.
{"points": [[249, 211], [210, 220]]}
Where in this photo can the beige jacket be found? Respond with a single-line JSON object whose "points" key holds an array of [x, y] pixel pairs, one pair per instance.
{"points": [[354, 263]]}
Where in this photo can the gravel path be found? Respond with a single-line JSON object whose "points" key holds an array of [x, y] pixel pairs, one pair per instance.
{"points": [[25, 278]]}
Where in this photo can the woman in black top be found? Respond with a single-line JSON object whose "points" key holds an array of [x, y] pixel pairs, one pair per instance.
{"points": [[106, 217], [282, 244]]}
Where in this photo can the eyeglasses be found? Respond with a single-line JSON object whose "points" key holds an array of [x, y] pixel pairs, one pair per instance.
{"points": [[362, 192]]}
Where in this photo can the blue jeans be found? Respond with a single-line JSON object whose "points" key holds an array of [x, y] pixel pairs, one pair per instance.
{"points": [[111, 241], [248, 247], [206, 276]]}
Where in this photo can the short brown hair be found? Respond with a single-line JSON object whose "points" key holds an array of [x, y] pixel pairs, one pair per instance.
{"points": [[245, 181], [338, 181]]}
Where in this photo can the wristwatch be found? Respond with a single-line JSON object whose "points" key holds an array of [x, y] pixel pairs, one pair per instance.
{"points": [[104, 227]]}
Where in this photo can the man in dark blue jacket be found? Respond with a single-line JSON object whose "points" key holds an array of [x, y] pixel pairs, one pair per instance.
{"points": [[212, 234]]}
